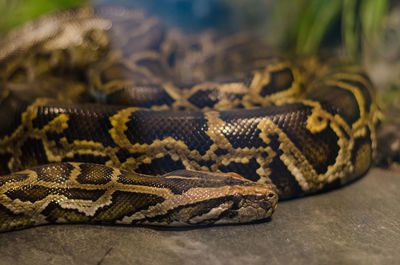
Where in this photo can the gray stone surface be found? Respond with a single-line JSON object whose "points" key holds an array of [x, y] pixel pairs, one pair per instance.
{"points": [[358, 224]]}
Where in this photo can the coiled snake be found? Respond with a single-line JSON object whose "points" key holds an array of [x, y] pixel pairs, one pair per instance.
{"points": [[186, 109]]}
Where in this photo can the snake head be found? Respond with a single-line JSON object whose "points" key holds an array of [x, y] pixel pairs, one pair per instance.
{"points": [[248, 204], [232, 199]]}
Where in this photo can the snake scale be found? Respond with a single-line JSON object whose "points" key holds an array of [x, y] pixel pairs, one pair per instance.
{"points": [[109, 117]]}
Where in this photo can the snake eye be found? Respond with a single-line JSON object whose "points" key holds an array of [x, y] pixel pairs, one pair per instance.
{"points": [[237, 200]]}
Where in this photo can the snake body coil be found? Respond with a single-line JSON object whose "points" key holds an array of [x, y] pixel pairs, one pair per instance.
{"points": [[182, 108]]}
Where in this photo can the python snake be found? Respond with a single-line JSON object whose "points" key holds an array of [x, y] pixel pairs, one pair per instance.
{"points": [[107, 116]]}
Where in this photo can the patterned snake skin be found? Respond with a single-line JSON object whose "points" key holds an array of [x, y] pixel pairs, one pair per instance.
{"points": [[108, 117]]}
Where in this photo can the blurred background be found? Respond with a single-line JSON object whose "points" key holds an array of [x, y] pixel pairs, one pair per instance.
{"points": [[366, 30]]}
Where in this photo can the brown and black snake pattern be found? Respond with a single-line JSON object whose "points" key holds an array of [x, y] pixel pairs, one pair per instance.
{"points": [[108, 117]]}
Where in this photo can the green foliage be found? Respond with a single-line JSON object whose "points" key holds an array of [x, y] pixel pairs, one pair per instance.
{"points": [[305, 24], [16, 12]]}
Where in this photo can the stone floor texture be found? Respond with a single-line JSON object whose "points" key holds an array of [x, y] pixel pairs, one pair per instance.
{"points": [[358, 224]]}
